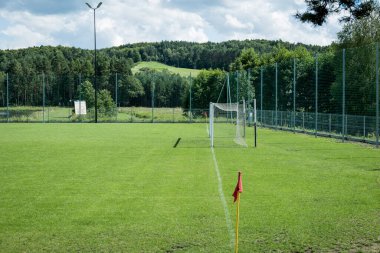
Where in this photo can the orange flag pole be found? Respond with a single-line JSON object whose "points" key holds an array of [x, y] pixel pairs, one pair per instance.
{"points": [[236, 194]]}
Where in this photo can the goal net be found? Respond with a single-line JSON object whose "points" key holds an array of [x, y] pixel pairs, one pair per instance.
{"points": [[227, 124]]}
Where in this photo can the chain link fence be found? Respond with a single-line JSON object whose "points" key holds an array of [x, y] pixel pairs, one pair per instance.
{"points": [[335, 93]]}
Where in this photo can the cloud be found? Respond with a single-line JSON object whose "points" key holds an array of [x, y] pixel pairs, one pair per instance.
{"points": [[271, 20], [69, 22], [143, 21], [20, 35], [42, 6], [233, 22]]}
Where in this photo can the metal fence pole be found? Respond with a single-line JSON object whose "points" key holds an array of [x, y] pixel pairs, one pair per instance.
{"points": [[116, 95], [363, 127], [190, 113], [43, 97], [276, 92], [7, 98], [303, 120], [330, 123], [237, 87], [80, 95], [229, 96], [249, 84], [261, 94], [152, 101], [377, 94], [294, 95], [343, 92], [316, 95], [80, 88]]}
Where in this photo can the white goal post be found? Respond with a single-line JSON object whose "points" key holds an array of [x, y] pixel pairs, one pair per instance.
{"points": [[233, 116]]}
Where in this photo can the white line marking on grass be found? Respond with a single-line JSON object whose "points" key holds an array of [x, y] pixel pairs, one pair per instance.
{"points": [[223, 199]]}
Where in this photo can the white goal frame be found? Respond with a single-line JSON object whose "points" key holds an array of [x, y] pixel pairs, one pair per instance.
{"points": [[229, 107]]}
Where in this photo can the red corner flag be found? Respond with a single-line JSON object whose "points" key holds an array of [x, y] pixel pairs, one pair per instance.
{"points": [[238, 188]]}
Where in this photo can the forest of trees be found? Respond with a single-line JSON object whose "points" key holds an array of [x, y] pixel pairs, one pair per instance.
{"points": [[61, 69], [66, 73]]}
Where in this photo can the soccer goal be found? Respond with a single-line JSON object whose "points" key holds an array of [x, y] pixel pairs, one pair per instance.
{"points": [[227, 123]]}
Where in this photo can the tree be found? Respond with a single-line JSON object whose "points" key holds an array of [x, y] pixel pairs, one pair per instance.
{"points": [[247, 59], [358, 38], [206, 88], [131, 89], [360, 32], [318, 10], [106, 104], [87, 93]]}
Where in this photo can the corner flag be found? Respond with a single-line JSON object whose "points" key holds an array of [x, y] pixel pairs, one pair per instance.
{"points": [[236, 194], [238, 188]]}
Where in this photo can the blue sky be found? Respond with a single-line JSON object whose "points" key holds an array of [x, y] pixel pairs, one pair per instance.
{"points": [[27, 23]]}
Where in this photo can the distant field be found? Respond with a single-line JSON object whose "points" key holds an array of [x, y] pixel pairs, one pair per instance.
{"points": [[123, 114], [124, 188], [160, 66]]}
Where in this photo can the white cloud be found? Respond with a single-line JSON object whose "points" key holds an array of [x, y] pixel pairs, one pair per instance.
{"points": [[22, 35], [270, 20], [143, 21], [233, 22], [127, 21]]}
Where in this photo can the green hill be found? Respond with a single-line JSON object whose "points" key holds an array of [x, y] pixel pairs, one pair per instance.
{"points": [[160, 67]]}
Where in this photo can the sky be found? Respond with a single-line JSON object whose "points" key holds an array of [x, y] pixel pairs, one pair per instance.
{"points": [[28, 23]]}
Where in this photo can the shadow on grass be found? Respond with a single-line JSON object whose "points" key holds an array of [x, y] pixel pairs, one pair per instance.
{"points": [[201, 142]]}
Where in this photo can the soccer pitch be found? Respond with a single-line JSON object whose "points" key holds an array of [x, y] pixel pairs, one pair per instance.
{"points": [[124, 188]]}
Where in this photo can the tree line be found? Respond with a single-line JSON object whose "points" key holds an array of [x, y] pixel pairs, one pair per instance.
{"points": [[63, 71]]}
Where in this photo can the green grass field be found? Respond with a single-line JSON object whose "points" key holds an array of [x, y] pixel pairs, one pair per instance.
{"points": [[124, 188], [160, 66]]}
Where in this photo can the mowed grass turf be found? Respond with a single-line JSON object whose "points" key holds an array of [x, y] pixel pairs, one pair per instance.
{"points": [[124, 188]]}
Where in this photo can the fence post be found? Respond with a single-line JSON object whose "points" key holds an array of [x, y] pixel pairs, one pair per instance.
{"points": [[43, 97], [80, 96], [303, 121], [228, 93], [276, 92], [190, 105], [152, 102], [345, 131], [377, 94], [343, 92], [330, 123], [116, 95], [316, 95], [264, 119], [237, 87], [261, 95], [363, 127], [249, 84], [7, 98], [229, 97], [294, 95], [80, 89]]}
